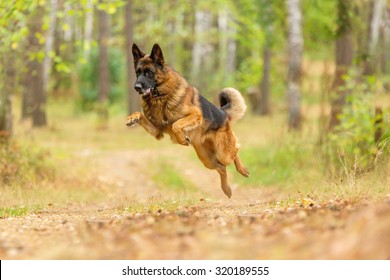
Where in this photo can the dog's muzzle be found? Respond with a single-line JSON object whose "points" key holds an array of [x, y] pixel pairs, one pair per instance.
{"points": [[138, 87]]}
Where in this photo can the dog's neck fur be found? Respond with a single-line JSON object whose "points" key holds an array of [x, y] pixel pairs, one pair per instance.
{"points": [[164, 105], [163, 94]]}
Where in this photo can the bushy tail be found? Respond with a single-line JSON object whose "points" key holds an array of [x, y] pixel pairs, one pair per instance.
{"points": [[232, 103]]}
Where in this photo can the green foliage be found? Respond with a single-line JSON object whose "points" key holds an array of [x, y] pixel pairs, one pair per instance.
{"points": [[276, 165], [89, 78], [23, 164], [13, 22], [111, 7], [245, 74], [318, 16], [13, 211], [353, 142]]}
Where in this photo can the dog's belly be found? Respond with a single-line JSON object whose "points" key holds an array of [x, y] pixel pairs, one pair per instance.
{"points": [[214, 147], [206, 152]]}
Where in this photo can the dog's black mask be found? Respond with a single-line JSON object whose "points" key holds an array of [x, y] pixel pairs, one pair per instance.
{"points": [[146, 68], [145, 83]]}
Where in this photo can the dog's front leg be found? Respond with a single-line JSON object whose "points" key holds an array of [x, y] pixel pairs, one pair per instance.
{"points": [[138, 118], [189, 122]]}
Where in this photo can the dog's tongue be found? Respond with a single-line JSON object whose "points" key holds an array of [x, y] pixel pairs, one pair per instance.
{"points": [[147, 91]]}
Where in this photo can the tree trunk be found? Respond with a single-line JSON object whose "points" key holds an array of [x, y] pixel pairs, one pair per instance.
{"points": [[187, 21], [5, 114], [295, 50], [197, 47], [133, 98], [200, 49], [68, 21], [385, 34], [376, 21], [267, 19], [223, 42], [231, 53], [172, 28], [39, 97], [34, 97], [263, 107], [88, 28], [344, 57], [26, 95], [49, 43], [227, 49], [104, 73], [31, 42], [7, 85]]}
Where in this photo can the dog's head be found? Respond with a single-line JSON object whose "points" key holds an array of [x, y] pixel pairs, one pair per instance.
{"points": [[149, 70]]}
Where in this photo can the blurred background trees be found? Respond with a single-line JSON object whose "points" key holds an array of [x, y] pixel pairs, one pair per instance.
{"points": [[283, 55]]}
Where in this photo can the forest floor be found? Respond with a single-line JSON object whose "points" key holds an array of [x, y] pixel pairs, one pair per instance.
{"points": [[125, 213]]}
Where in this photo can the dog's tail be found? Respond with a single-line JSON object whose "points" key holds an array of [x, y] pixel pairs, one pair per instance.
{"points": [[232, 103]]}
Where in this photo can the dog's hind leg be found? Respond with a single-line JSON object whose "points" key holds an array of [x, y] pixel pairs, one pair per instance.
{"points": [[224, 182], [138, 118], [240, 167]]}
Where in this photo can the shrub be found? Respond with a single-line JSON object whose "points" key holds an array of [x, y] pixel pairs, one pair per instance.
{"points": [[353, 142]]}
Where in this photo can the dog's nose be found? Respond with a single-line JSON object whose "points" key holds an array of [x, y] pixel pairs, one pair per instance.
{"points": [[138, 86]]}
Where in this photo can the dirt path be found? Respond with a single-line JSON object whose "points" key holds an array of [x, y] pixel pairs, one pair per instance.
{"points": [[250, 225]]}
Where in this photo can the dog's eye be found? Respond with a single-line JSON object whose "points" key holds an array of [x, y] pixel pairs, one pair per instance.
{"points": [[148, 73], [137, 73]]}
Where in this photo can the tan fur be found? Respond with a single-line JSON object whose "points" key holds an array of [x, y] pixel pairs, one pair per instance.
{"points": [[238, 107], [177, 112]]}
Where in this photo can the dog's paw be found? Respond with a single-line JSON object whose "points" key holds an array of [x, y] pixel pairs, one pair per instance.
{"points": [[179, 136], [244, 171], [184, 140], [133, 119], [227, 190]]}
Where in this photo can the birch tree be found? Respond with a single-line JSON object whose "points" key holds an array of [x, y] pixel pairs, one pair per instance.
{"points": [[227, 45], [374, 26], [49, 43], [201, 47], [295, 50], [267, 24], [34, 96], [385, 42], [133, 98]]}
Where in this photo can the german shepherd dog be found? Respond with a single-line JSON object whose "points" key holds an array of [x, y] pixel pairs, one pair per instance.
{"points": [[172, 106]]}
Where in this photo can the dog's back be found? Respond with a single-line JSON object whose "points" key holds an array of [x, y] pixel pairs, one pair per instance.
{"points": [[214, 116]]}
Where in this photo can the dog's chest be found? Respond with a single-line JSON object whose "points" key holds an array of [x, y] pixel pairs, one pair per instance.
{"points": [[159, 116]]}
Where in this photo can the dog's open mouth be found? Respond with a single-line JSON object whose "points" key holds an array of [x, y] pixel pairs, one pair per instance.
{"points": [[147, 91]]}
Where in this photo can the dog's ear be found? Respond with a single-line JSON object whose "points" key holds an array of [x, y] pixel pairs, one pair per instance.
{"points": [[137, 54], [157, 55]]}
